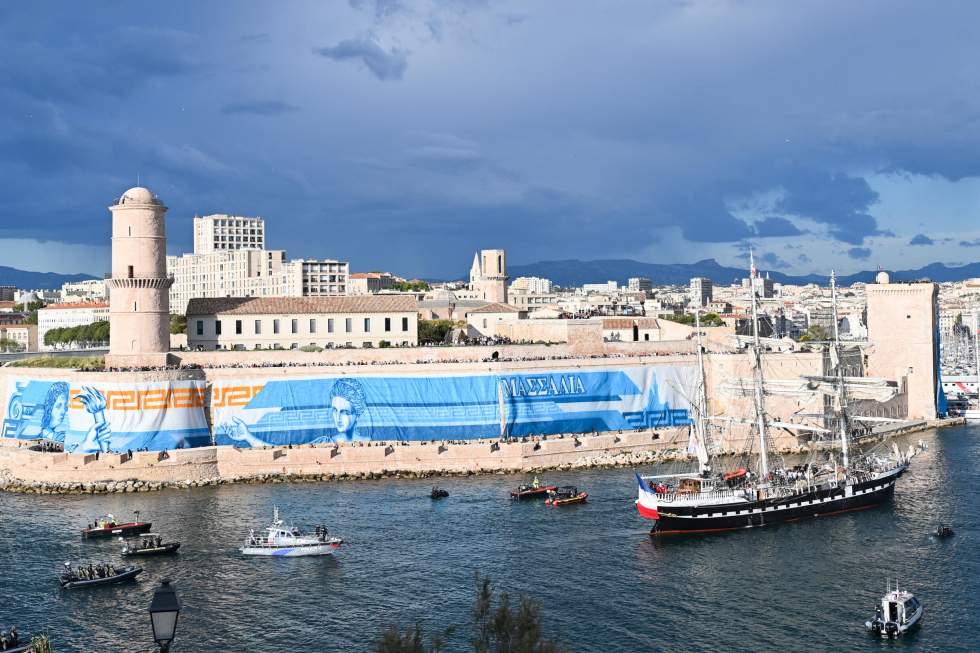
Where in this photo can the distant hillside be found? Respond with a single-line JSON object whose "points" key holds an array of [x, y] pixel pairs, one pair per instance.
{"points": [[33, 280], [573, 272]]}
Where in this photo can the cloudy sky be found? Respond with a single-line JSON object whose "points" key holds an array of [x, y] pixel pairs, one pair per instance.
{"points": [[404, 135]]}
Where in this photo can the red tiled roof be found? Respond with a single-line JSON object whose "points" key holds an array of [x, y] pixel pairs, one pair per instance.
{"points": [[301, 305], [77, 305]]}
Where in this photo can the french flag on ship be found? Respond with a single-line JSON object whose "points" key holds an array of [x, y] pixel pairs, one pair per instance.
{"points": [[646, 501]]}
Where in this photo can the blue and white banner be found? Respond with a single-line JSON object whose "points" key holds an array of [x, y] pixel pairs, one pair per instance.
{"points": [[101, 417], [435, 407]]}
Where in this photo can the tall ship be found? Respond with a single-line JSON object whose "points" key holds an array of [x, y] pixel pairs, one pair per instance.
{"points": [[762, 490]]}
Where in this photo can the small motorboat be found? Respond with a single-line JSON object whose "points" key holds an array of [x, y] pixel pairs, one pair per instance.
{"points": [[439, 493], [565, 496], [149, 545], [12, 642], [943, 531], [289, 542], [898, 612], [90, 576], [107, 526], [532, 490]]}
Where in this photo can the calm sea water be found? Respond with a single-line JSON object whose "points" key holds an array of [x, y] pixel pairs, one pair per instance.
{"points": [[604, 584]]}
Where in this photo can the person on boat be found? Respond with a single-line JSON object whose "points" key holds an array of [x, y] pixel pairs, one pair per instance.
{"points": [[91, 571], [159, 541], [536, 483]]}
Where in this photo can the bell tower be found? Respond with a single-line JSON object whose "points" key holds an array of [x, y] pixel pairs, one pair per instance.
{"points": [[139, 301]]}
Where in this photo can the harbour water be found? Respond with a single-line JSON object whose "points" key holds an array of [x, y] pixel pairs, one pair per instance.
{"points": [[603, 583]]}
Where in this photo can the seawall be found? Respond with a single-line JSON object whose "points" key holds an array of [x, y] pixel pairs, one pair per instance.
{"points": [[24, 470]]}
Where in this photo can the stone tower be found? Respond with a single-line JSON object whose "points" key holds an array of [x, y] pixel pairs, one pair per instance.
{"points": [[488, 275], [139, 304], [902, 321]]}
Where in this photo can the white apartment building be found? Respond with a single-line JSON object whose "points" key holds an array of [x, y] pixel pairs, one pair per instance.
{"points": [[609, 286], [230, 260], [91, 290], [220, 232], [702, 291], [532, 285], [24, 335], [369, 283], [57, 316], [241, 323], [639, 284]]}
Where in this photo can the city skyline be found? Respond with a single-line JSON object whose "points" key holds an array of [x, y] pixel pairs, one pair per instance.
{"points": [[813, 133]]}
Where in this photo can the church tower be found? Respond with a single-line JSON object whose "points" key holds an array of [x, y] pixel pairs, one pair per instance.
{"points": [[494, 275], [139, 301]]}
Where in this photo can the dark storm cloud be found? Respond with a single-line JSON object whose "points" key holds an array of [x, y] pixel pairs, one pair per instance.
{"points": [[574, 132], [921, 239], [259, 107], [383, 64], [772, 260], [775, 227], [859, 253], [839, 201]]}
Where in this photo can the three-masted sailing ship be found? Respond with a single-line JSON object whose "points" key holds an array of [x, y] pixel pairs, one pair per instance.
{"points": [[767, 492]]}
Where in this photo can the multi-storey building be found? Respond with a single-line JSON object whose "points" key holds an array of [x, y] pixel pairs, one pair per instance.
{"points": [[240, 323], [369, 283], [532, 285], [57, 316], [220, 232], [91, 290], [22, 335], [702, 291], [8, 293], [639, 284], [229, 260]]}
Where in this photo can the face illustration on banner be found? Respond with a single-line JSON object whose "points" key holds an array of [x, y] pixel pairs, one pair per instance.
{"points": [[48, 418], [347, 406], [54, 418]]}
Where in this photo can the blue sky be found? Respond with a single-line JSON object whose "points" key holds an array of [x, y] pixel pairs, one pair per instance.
{"points": [[404, 135]]}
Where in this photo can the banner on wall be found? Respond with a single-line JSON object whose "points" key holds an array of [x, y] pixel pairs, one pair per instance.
{"points": [[107, 416], [347, 408]]}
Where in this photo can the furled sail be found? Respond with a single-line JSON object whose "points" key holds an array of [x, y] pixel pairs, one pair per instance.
{"points": [[857, 387]]}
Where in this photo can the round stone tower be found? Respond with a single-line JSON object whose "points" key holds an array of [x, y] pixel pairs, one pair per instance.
{"points": [[139, 299]]}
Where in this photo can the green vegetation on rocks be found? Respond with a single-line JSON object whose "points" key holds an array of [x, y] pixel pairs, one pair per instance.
{"points": [[64, 362]]}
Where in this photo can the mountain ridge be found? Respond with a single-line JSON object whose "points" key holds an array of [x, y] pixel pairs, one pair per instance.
{"points": [[575, 272], [28, 280]]}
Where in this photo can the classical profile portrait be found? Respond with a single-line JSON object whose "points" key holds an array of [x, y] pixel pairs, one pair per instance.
{"points": [[347, 405], [346, 409]]}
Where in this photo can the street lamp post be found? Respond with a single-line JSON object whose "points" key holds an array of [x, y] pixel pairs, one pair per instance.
{"points": [[164, 610]]}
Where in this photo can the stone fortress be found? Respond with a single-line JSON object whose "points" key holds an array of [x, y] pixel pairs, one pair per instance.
{"points": [[901, 349]]}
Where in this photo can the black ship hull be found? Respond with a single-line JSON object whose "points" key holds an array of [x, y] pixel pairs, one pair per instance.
{"points": [[818, 503]]}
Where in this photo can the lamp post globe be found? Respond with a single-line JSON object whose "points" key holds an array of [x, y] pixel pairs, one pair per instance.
{"points": [[164, 610]]}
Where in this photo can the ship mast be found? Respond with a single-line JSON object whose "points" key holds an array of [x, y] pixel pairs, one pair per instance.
{"points": [[841, 392], [760, 408], [701, 426]]}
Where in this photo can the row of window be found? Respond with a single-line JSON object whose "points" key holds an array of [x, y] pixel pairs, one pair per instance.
{"points": [[294, 324]]}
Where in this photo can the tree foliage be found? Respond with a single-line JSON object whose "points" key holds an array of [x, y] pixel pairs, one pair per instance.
{"points": [[499, 627], [411, 286], [433, 331], [815, 332], [30, 309], [178, 323], [707, 320], [86, 335], [9, 345]]}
